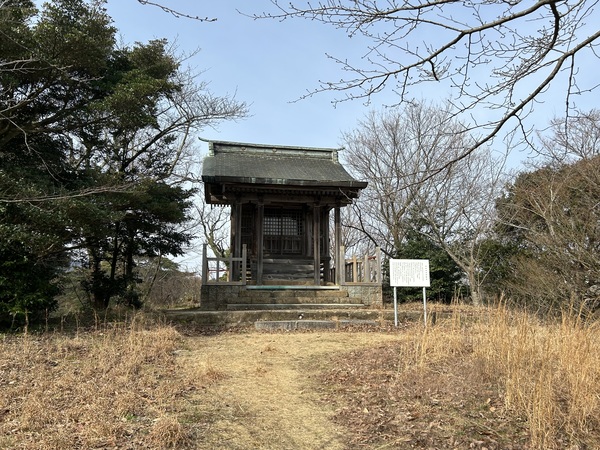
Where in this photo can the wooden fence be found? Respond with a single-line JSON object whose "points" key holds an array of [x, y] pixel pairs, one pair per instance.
{"points": [[224, 270], [234, 271], [363, 270]]}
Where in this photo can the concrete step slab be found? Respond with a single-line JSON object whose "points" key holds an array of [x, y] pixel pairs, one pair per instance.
{"points": [[291, 306], [297, 300], [290, 292], [226, 319], [271, 325]]}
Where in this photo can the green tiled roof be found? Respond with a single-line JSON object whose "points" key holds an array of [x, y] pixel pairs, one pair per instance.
{"points": [[233, 162]]}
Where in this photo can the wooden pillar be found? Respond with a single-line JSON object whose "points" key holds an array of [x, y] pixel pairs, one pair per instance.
{"points": [[378, 262], [204, 264], [260, 228], [339, 258], [244, 261], [316, 244], [236, 238], [325, 241], [307, 246]]}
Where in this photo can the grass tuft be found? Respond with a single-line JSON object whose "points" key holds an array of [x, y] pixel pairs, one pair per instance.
{"points": [[550, 373], [168, 432]]}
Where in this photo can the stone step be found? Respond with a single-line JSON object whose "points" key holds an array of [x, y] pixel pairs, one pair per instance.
{"points": [[248, 318], [297, 300], [281, 261], [290, 306], [271, 325], [278, 292]]}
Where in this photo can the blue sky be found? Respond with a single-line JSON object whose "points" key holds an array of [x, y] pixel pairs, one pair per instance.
{"points": [[266, 63], [270, 64]]}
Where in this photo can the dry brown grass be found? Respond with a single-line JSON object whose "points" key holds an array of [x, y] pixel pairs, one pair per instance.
{"points": [[114, 386], [484, 378], [478, 378], [550, 373]]}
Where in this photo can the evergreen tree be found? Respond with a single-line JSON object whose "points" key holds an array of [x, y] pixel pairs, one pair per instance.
{"points": [[91, 140], [50, 74]]}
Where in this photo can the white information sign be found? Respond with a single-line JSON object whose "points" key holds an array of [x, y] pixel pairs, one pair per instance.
{"points": [[409, 272]]}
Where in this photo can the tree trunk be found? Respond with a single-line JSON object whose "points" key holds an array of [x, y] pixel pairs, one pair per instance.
{"points": [[97, 287], [475, 291], [129, 250]]}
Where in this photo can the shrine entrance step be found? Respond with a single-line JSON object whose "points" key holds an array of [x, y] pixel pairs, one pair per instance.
{"points": [[292, 297], [292, 325], [248, 318]]}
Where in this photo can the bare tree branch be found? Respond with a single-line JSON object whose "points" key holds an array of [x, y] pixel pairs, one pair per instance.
{"points": [[400, 152], [495, 59], [177, 13], [24, 198]]}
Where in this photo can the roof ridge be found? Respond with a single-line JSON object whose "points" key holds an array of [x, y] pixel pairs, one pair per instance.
{"points": [[281, 150]]}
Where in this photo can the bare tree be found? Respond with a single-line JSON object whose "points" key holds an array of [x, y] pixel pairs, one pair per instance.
{"points": [[548, 220], [213, 224], [457, 207], [496, 59], [572, 139], [552, 218], [396, 151]]}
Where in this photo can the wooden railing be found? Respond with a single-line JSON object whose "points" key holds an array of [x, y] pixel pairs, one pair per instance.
{"points": [[233, 271], [365, 270], [224, 270]]}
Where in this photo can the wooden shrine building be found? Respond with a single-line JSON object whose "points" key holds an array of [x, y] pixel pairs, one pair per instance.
{"points": [[281, 199]]}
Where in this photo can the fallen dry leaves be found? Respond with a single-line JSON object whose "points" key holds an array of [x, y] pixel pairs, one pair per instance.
{"points": [[445, 405], [145, 385]]}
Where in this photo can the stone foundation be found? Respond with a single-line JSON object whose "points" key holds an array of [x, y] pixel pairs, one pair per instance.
{"points": [[371, 295], [216, 297]]}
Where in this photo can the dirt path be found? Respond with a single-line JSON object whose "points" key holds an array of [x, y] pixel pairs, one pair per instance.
{"points": [[260, 390]]}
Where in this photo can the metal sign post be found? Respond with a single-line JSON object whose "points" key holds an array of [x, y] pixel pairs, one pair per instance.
{"points": [[424, 307], [395, 308], [409, 273]]}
